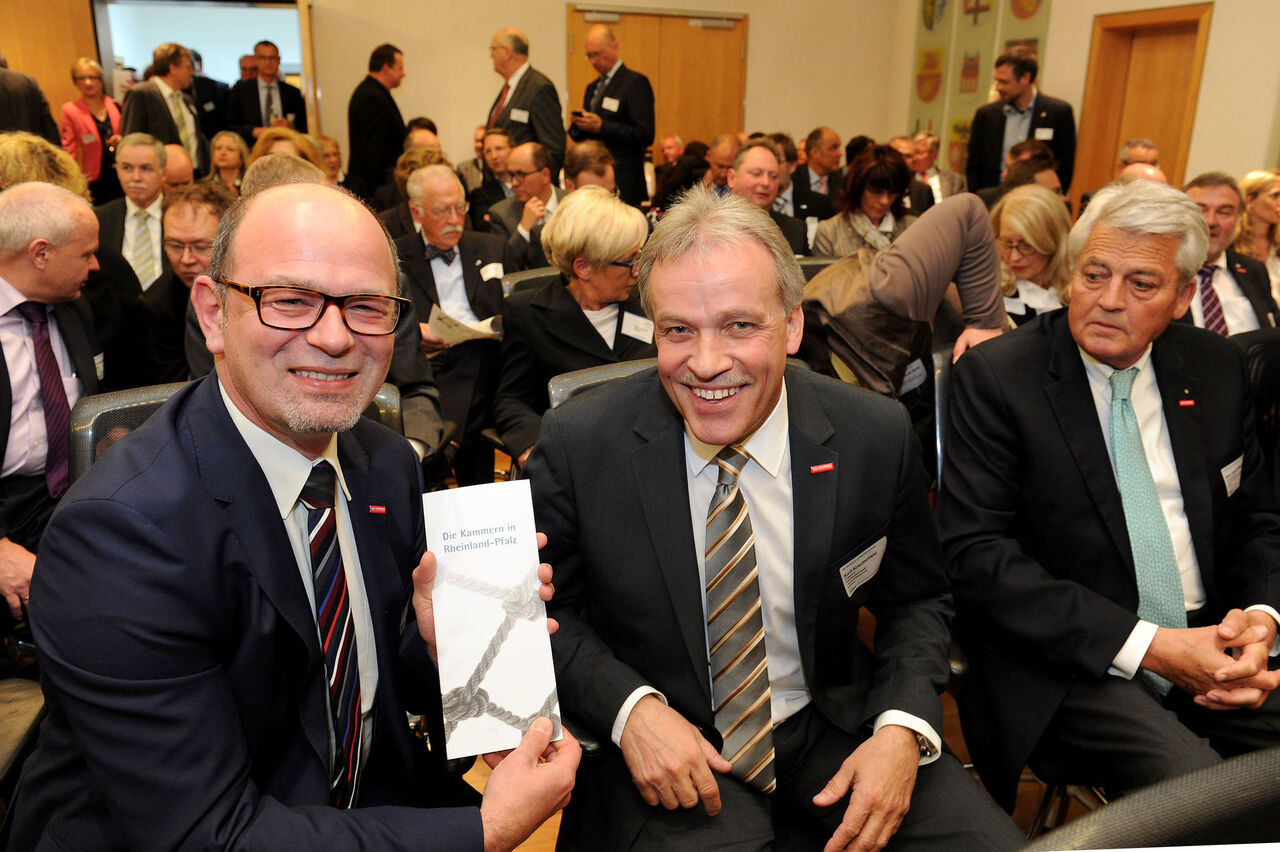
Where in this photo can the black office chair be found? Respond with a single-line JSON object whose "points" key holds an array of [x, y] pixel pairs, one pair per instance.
{"points": [[1230, 802], [514, 282], [100, 420]]}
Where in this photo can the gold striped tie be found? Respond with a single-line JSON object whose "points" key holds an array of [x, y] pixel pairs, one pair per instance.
{"points": [[735, 630], [142, 253], [179, 109]]}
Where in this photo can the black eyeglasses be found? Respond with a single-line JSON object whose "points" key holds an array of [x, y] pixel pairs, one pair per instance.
{"points": [[298, 308], [626, 264]]}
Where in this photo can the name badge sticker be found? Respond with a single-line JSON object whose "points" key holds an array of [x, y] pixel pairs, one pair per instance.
{"points": [[98, 363], [88, 138], [638, 327], [610, 104], [1045, 133], [520, 115], [1231, 475], [490, 271], [863, 567]]}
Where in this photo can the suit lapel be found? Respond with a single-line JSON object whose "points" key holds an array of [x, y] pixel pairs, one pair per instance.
{"points": [[1258, 292], [659, 470], [233, 477], [420, 270], [813, 498], [1179, 381], [514, 96], [1072, 403], [566, 322], [79, 347], [471, 262]]}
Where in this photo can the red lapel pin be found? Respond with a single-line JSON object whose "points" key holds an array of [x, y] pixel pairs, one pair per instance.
{"points": [[822, 468], [377, 510]]}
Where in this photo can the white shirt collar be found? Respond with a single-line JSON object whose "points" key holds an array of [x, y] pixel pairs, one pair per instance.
{"points": [[1097, 368], [153, 209], [515, 77], [767, 446], [165, 89], [286, 469]]}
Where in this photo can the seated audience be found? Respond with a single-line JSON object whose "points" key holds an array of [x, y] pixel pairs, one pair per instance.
{"points": [[797, 199], [230, 157], [1258, 224], [398, 219], [282, 140], [821, 171], [1027, 149], [1133, 153], [273, 170], [91, 131], [131, 226], [331, 154], [720, 154], [918, 197], [518, 219], [1233, 291], [26, 157], [873, 215], [471, 172], [178, 171], [496, 184], [754, 176], [1110, 531], [587, 316], [943, 183], [688, 171], [589, 163], [1031, 228]]}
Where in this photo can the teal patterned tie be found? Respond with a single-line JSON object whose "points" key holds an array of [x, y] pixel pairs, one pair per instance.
{"points": [[1160, 599]]}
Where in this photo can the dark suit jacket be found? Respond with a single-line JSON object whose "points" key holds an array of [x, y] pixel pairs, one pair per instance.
{"points": [[545, 333], [23, 106], [467, 374], [187, 708], [244, 108], [164, 312], [487, 194], [504, 219], [986, 138], [808, 203], [1034, 528], [146, 111], [793, 230], [835, 184], [544, 124], [114, 294], [626, 131], [608, 475], [24, 512], [376, 133], [1255, 283], [399, 223], [210, 98]]}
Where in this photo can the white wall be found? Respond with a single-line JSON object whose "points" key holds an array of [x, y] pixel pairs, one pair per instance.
{"points": [[809, 62], [222, 34], [1236, 117]]}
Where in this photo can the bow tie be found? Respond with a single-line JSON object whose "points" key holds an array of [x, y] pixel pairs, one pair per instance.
{"points": [[447, 255]]}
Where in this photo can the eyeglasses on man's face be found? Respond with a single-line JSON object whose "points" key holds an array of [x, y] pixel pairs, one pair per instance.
{"points": [[299, 308]]}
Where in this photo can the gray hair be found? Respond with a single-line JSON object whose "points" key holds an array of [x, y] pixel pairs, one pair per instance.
{"points": [[1126, 150], [34, 211], [1146, 208], [763, 142], [700, 222], [145, 140], [417, 182]]}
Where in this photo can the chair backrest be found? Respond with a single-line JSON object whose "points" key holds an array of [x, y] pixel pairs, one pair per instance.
{"points": [[513, 282], [100, 420], [941, 388], [1230, 802], [566, 385], [811, 266]]}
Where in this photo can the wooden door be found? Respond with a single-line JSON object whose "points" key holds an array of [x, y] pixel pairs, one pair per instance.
{"points": [[696, 64], [1143, 81], [43, 37]]}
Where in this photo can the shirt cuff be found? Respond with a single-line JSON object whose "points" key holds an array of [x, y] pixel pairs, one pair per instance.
{"points": [[912, 723], [1275, 646], [523, 232], [620, 722], [1129, 659], [419, 447]]}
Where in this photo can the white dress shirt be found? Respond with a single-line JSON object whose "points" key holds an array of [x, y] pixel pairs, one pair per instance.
{"points": [[28, 445], [1237, 310], [452, 289], [765, 484], [1148, 407], [287, 470], [274, 87]]}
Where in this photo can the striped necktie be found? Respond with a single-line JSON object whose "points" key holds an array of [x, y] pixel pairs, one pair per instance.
{"points": [[735, 630], [179, 109], [337, 634], [1160, 598], [53, 398], [142, 254], [1209, 303]]}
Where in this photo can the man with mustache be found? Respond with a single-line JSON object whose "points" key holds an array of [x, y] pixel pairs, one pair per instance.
{"points": [[131, 226], [461, 272]]}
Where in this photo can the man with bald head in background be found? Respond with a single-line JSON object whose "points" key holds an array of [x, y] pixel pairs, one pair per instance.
{"points": [[617, 109], [528, 105]]}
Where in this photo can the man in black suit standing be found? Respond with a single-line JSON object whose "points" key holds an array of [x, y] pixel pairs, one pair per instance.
{"points": [[47, 361], [1021, 113], [1233, 291], [528, 105], [210, 98], [460, 272], [617, 109], [724, 487], [160, 106], [754, 176], [374, 123], [23, 106], [266, 101], [1109, 527]]}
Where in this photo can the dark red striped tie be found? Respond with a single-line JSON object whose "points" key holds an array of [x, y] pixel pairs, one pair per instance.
{"points": [[337, 633], [57, 413], [1209, 303]]}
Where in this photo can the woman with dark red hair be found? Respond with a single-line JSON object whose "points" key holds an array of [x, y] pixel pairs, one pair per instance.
{"points": [[873, 214]]}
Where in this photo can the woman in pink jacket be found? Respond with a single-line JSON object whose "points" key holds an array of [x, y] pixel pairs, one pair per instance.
{"points": [[91, 130]]}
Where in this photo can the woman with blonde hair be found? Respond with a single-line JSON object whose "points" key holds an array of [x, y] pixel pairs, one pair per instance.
{"points": [[1259, 235], [230, 159], [91, 131], [284, 140], [1031, 225], [27, 157], [587, 315]]}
